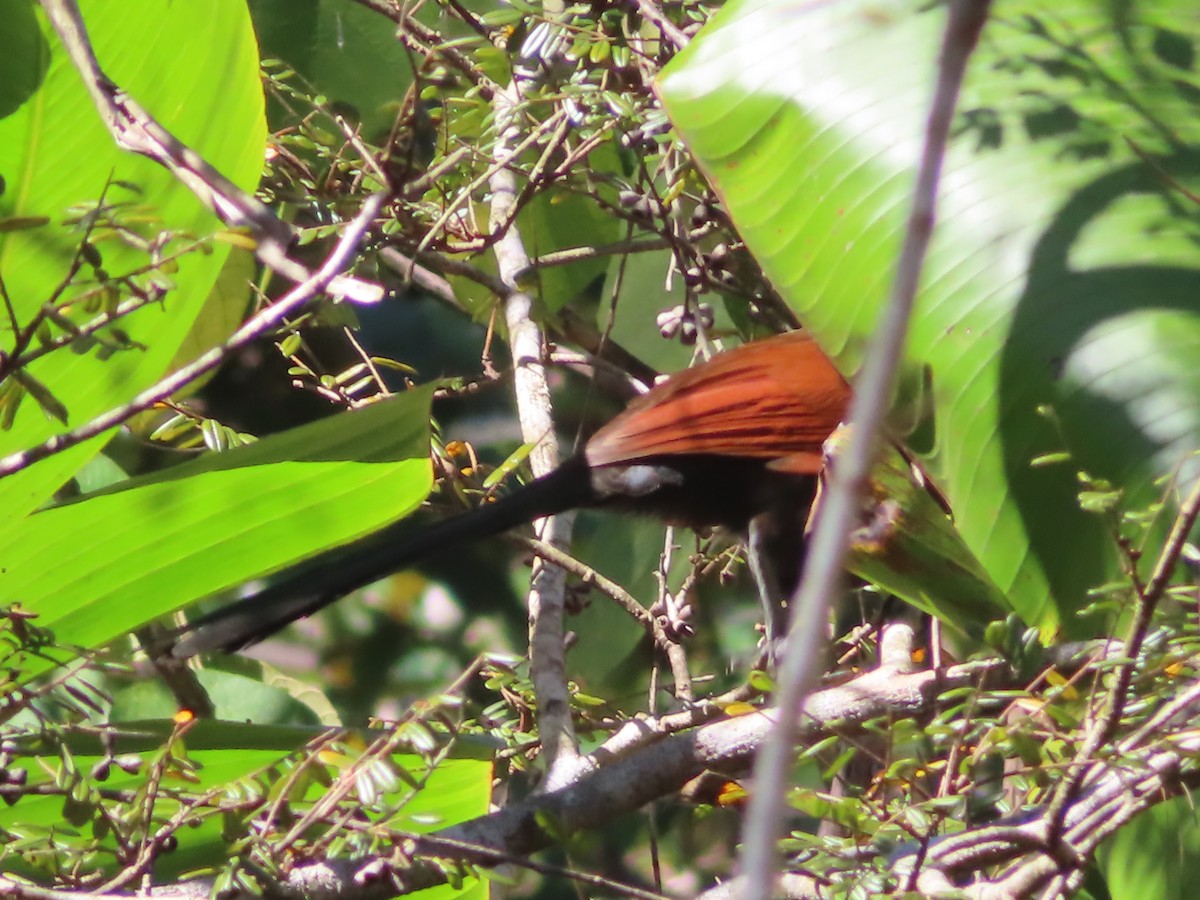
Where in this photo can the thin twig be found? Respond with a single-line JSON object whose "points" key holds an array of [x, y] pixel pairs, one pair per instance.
{"points": [[591, 578], [616, 248], [651, 13], [428, 42]]}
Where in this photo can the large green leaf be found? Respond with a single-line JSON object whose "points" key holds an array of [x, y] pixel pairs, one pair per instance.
{"points": [[1063, 272], [95, 569], [23, 67], [348, 53], [194, 66], [1156, 856], [552, 222], [909, 547]]}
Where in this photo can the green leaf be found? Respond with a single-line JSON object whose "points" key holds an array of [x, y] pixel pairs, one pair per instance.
{"points": [[23, 67], [910, 548], [223, 311], [99, 567], [562, 221], [329, 44], [1064, 267], [190, 66], [1156, 856], [236, 697]]}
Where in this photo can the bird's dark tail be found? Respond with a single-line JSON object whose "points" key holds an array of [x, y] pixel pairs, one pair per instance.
{"points": [[331, 575]]}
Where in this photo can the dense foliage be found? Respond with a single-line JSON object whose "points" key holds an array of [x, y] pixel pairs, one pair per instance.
{"points": [[213, 369]]}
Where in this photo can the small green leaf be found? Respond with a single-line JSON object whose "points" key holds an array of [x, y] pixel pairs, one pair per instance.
{"points": [[23, 223]]}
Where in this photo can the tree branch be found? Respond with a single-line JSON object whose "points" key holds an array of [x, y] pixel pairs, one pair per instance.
{"points": [[616, 785], [547, 589]]}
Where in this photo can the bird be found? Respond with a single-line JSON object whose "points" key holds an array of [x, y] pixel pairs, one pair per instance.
{"points": [[733, 442]]}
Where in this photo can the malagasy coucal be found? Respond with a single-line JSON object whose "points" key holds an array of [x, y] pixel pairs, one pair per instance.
{"points": [[733, 442]]}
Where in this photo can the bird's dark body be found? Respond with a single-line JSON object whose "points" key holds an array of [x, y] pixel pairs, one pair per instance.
{"points": [[731, 442]]}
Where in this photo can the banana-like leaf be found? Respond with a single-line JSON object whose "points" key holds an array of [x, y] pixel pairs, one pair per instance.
{"points": [[1057, 318], [195, 68], [94, 569]]}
